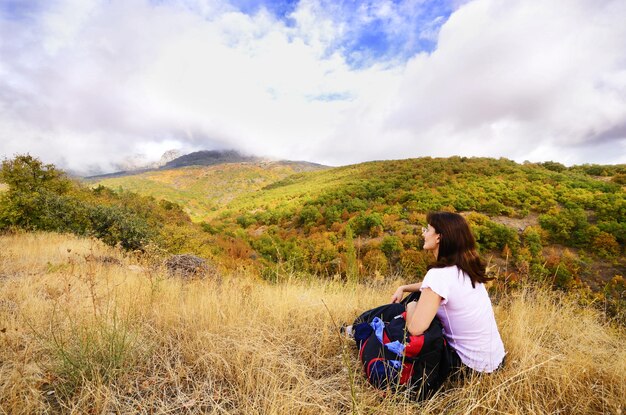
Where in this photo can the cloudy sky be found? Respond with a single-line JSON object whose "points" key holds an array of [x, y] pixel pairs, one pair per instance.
{"points": [[88, 84]]}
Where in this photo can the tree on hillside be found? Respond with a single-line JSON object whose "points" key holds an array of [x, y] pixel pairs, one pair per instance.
{"points": [[37, 197], [392, 248], [27, 173]]}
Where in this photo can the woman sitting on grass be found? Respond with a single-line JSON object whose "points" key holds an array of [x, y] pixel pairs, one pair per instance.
{"points": [[453, 290]]}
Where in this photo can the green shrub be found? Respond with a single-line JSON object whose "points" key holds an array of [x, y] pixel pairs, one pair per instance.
{"points": [[567, 226], [365, 223], [117, 225], [391, 246], [309, 215], [245, 220], [491, 235], [331, 215], [605, 246]]}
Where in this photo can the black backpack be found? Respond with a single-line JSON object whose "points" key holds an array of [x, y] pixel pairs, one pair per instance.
{"points": [[393, 359]]}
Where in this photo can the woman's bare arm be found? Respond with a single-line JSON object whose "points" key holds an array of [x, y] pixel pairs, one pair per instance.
{"points": [[419, 315]]}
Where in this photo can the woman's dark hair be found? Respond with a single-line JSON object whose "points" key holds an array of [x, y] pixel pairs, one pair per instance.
{"points": [[457, 245]]}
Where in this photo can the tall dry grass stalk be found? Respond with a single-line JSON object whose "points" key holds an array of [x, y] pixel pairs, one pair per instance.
{"points": [[85, 329]]}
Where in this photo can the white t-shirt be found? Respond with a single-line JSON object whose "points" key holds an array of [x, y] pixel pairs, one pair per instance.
{"points": [[467, 317]]}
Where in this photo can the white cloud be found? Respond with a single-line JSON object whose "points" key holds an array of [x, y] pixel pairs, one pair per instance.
{"points": [[87, 83], [528, 75]]}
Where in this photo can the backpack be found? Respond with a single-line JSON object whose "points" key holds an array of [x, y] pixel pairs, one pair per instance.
{"points": [[395, 360]]}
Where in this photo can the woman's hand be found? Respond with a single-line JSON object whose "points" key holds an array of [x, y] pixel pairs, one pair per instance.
{"points": [[410, 288], [397, 296]]}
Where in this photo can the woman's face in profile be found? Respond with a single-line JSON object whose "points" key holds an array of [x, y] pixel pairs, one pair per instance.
{"points": [[431, 238]]}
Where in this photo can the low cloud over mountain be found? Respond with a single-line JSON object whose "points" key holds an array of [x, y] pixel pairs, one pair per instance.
{"points": [[86, 83]]}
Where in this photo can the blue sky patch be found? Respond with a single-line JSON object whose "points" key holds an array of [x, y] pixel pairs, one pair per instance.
{"points": [[374, 30], [334, 96], [405, 30], [19, 9], [279, 8]]}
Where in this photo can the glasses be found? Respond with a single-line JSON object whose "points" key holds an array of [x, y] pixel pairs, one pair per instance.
{"points": [[424, 230]]}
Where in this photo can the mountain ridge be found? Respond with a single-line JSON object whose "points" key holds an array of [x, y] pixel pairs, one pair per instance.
{"points": [[210, 158], [204, 189]]}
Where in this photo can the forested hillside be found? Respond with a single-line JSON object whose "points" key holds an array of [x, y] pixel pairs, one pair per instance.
{"points": [[202, 190], [366, 219]]}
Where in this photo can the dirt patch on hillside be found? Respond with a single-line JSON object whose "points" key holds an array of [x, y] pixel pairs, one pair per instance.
{"points": [[596, 272], [532, 219], [601, 272]]}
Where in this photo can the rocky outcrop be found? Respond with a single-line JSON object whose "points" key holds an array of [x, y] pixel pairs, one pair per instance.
{"points": [[189, 266]]}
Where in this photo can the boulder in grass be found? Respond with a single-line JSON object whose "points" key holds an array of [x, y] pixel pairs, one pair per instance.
{"points": [[188, 266]]}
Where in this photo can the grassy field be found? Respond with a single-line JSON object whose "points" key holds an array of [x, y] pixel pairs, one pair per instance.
{"points": [[85, 328]]}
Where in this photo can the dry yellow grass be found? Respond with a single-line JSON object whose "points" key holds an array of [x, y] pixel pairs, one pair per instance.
{"points": [[86, 329]]}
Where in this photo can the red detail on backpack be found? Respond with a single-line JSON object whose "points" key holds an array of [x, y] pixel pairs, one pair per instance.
{"points": [[407, 372], [403, 315], [363, 348], [369, 365], [385, 337], [414, 346]]}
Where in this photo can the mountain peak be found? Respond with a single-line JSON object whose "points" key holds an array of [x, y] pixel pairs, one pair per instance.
{"points": [[209, 158], [138, 162]]}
